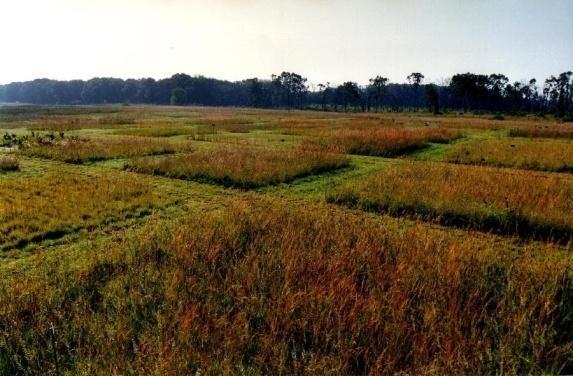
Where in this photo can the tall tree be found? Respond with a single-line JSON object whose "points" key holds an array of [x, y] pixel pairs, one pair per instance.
{"points": [[415, 79], [433, 98], [291, 86], [377, 88]]}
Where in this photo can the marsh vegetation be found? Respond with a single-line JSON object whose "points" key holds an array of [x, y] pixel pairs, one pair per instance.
{"points": [[175, 240]]}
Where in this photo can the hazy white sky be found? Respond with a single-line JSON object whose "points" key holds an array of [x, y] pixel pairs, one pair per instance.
{"points": [[325, 40]]}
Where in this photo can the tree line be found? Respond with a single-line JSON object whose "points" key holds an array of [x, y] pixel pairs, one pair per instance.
{"points": [[467, 91]]}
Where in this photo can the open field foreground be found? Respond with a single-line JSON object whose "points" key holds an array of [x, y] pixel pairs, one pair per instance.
{"points": [[192, 240]]}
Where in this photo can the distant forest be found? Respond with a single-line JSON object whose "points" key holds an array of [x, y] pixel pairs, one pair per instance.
{"points": [[467, 92]]}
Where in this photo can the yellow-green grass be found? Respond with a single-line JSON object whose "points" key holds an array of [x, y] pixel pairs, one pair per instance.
{"points": [[384, 141], [242, 167], [533, 154], [543, 130], [267, 288], [80, 150], [157, 131], [47, 206], [8, 164], [503, 201]]}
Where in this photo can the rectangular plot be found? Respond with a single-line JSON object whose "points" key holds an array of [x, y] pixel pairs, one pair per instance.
{"points": [[505, 201], [242, 167]]}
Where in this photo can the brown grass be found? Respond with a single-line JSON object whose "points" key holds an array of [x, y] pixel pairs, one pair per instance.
{"points": [[241, 166], [510, 202], [543, 155], [263, 288], [543, 130], [9, 164], [384, 142], [80, 150]]}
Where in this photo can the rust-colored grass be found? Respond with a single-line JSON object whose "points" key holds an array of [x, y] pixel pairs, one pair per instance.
{"points": [[543, 131], [241, 166], [504, 201], [384, 141], [81, 150], [264, 288], [542, 155]]}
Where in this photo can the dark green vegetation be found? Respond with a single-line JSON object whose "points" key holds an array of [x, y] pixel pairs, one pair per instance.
{"points": [[466, 91], [142, 256]]}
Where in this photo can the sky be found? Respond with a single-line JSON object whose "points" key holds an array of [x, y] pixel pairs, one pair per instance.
{"points": [[324, 40]]}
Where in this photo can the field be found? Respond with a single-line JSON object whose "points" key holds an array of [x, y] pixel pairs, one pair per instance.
{"points": [[191, 240]]}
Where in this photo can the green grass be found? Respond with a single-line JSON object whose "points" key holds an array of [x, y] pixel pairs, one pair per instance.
{"points": [[157, 131]]}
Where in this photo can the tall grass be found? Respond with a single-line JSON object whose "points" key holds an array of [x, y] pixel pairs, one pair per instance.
{"points": [[503, 201], [80, 150], [241, 166], [542, 155], [264, 288], [547, 131], [34, 208], [9, 164], [384, 142]]}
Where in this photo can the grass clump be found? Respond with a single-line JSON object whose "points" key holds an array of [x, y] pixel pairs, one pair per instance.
{"points": [[514, 203], [542, 155], [384, 142], [50, 206], [81, 150], [8, 164], [242, 167], [264, 288]]}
